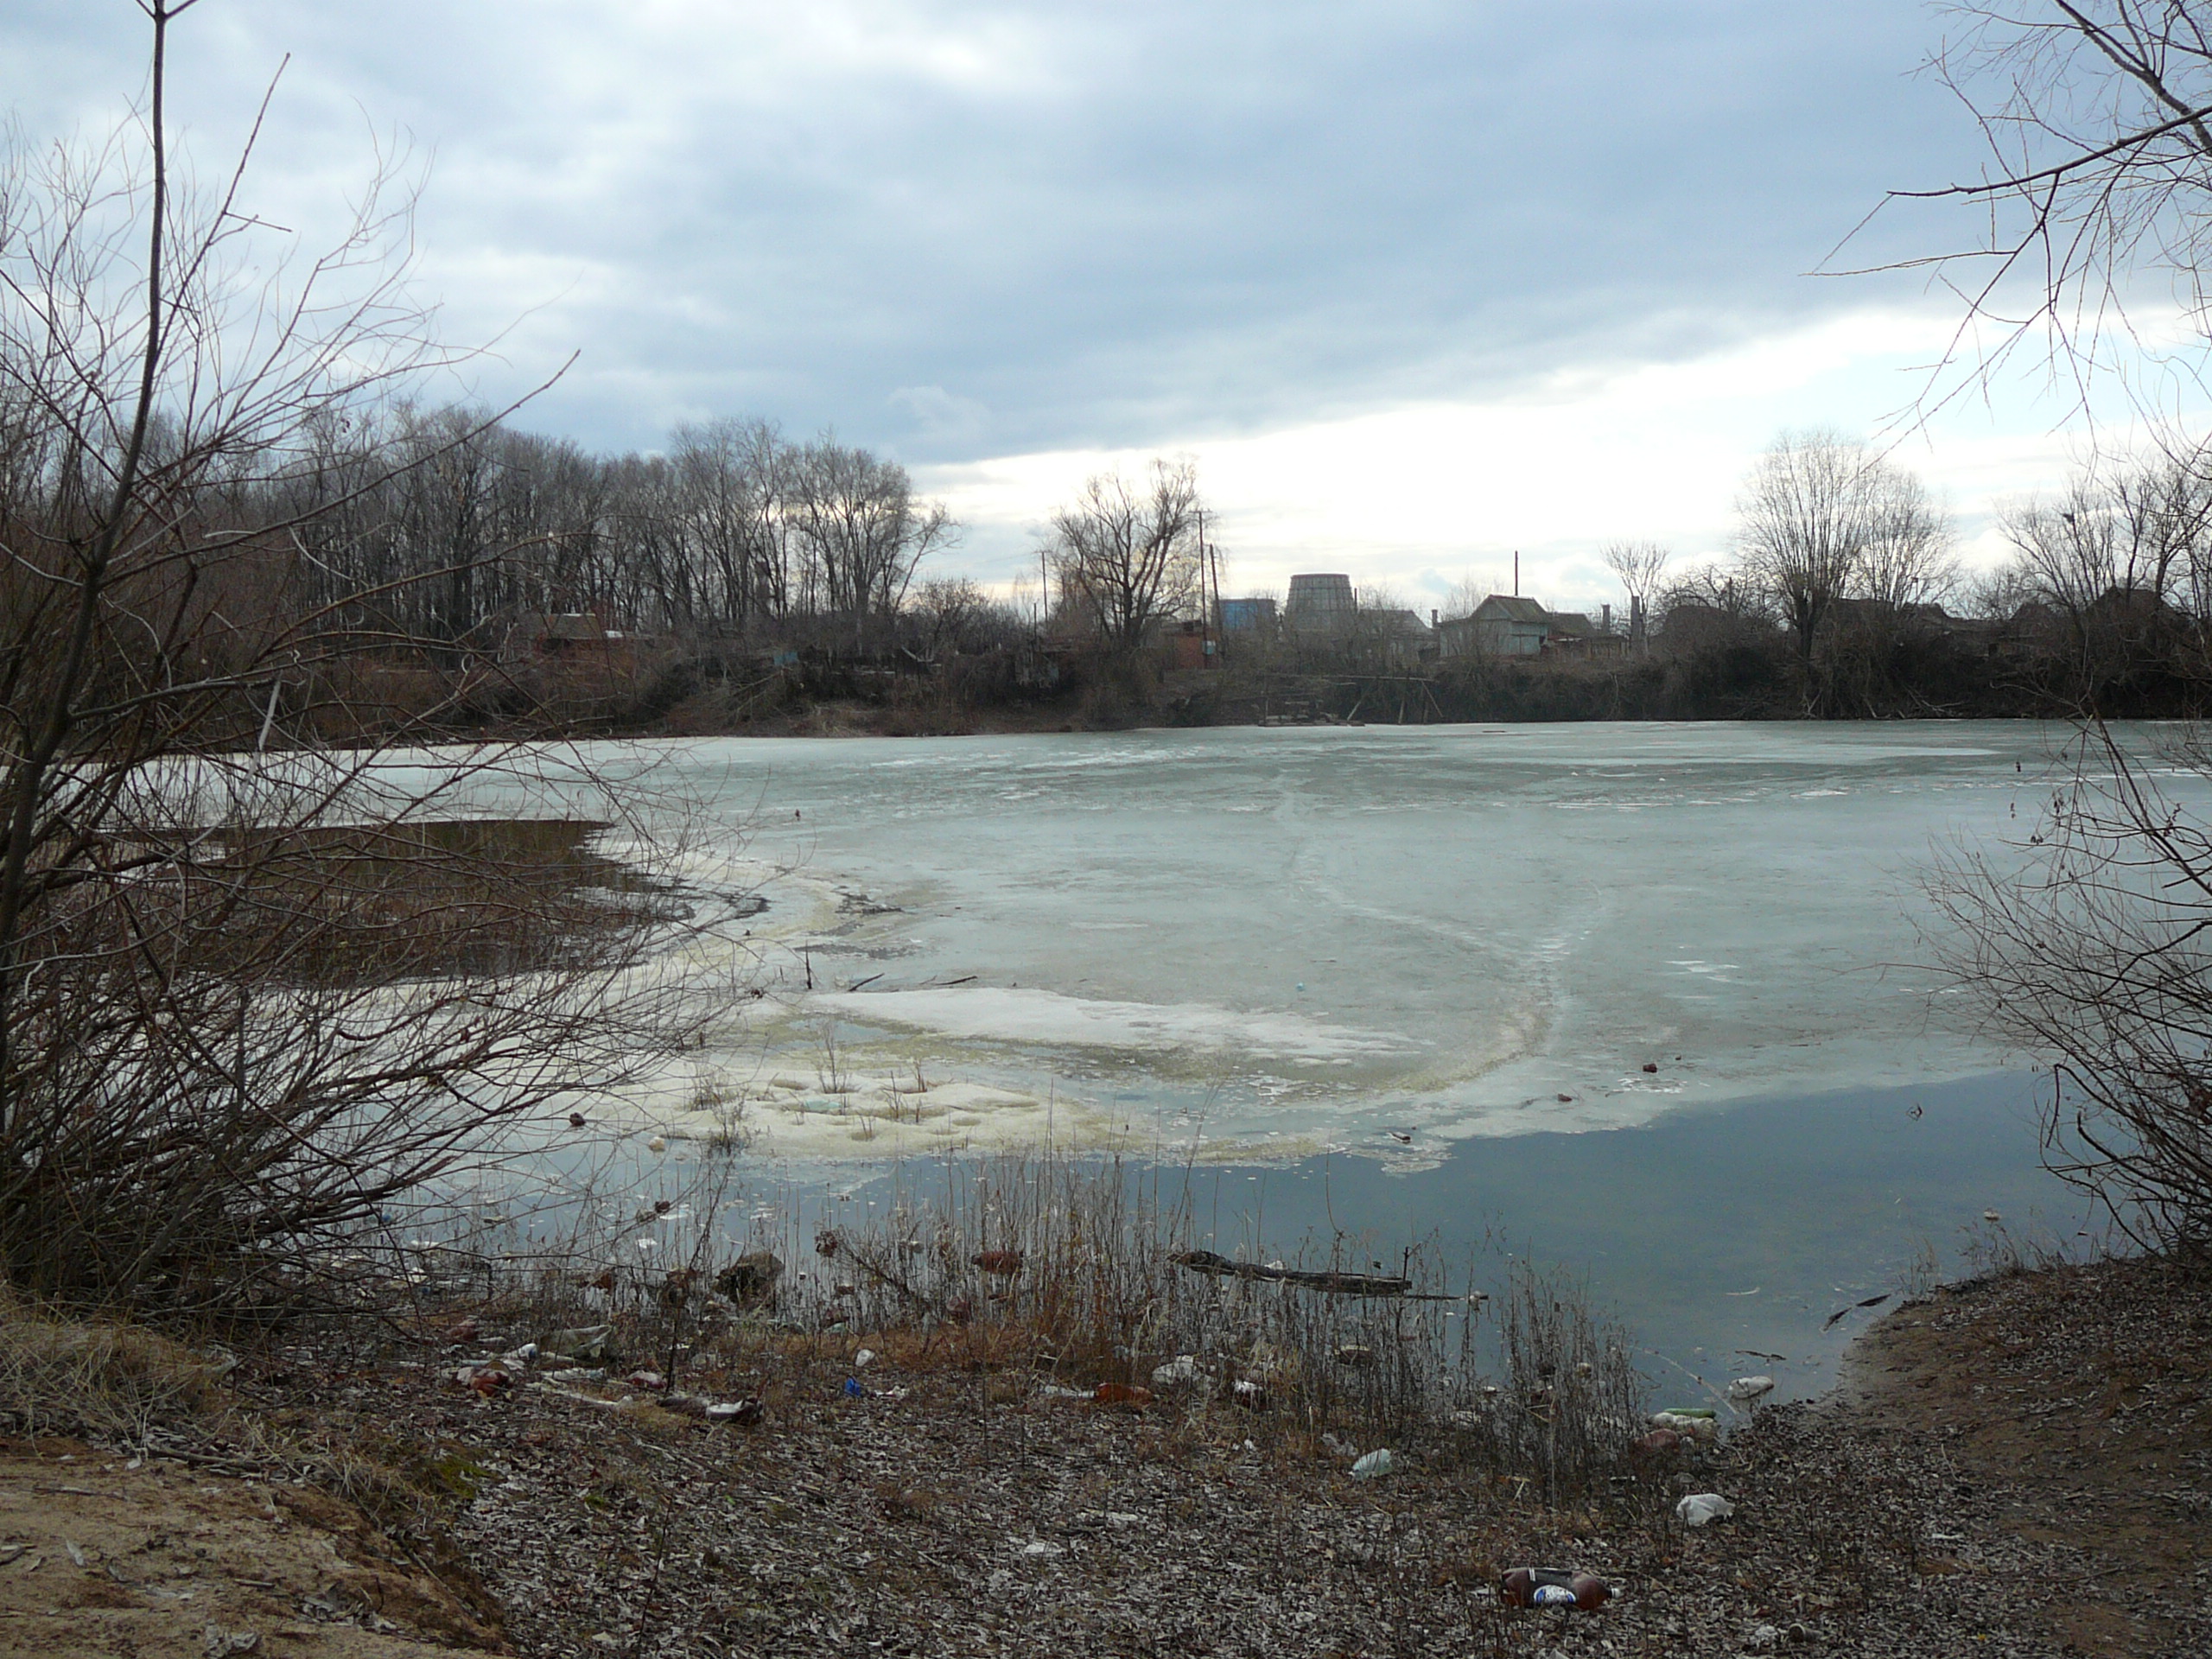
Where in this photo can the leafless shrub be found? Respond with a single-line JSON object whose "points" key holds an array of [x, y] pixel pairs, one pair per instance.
{"points": [[253, 990], [2087, 945], [2099, 160]]}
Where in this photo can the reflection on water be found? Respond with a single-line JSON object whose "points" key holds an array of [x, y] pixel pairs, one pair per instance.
{"points": [[1724, 1239]]}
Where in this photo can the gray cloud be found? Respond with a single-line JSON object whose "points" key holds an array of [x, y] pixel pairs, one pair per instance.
{"points": [[959, 228]]}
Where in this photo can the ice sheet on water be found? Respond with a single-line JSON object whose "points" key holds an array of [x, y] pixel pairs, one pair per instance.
{"points": [[1050, 1019], [1318, 932]]}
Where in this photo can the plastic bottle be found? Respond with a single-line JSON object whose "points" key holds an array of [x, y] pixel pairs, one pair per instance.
{"points": [[1553, 1586]]}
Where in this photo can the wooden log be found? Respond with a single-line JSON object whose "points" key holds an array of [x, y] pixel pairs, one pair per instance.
{"points": [[1329, 1283]]}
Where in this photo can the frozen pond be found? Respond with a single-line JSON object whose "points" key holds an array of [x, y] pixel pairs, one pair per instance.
{"points": [[1284, 942], [1348, 974]]}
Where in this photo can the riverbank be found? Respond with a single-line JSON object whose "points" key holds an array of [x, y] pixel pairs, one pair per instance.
{"points": [[2019, 1466]]}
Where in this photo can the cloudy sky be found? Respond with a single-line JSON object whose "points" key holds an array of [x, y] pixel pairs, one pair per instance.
{"points": [[1418, 283]]}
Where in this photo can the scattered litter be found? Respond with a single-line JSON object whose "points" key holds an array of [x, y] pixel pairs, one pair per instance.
{"points": [[216, 1642], [76, 1554], [578, 1374], [1374, 1465], [860, 1360], [585, 1342], [1651, 1066], [1699, 1508], [1183, 1369], [1337, 1448], [486, 1380], [1039, 1546], [1657, 1444], [1745, 1389], [655, 1145], [1121, 1394], [1691, 1423], [523, 1355], [1054, 1391], [1553, 1586], [741, 1411], [1249, 1394], [853, 1388], [651, 1382], [1991, 1215]]}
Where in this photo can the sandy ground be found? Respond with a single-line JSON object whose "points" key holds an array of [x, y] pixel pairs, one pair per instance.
{"points": [[165, 1559]]}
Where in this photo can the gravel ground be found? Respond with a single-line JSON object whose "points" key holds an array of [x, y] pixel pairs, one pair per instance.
{"points": [[2017, 1467]]}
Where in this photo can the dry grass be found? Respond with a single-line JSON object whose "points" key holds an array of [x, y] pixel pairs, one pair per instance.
{"points": [[114, 1382], [1056, 1273]]}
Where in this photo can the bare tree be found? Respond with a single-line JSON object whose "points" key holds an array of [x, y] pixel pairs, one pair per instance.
{"points": [[952, 614], [1906, 560], [1821, 520], [1803, 525], [2120, 562], [861, 532], [732, 482], [252, 990], [2088, 945], [2098, 115], [1126, 558], [2071, 551], [1641, 567]]}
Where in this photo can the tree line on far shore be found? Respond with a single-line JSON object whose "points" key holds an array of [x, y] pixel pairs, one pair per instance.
{"points": [[444, 535], [1843, 597]]}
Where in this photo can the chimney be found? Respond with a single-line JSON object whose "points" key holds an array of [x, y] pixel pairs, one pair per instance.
{"points": [[1432, 616], [1516, 573], [1605, 624]]}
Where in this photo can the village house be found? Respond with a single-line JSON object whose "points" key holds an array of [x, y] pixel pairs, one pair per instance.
{"points": [[1501, 626]]}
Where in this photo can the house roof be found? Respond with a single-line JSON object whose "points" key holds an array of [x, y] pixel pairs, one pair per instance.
{"points": [[1405, 624], [1511, 608]]}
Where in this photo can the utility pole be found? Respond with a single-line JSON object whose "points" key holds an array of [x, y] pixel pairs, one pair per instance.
{"points": [[1205, 610]]}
